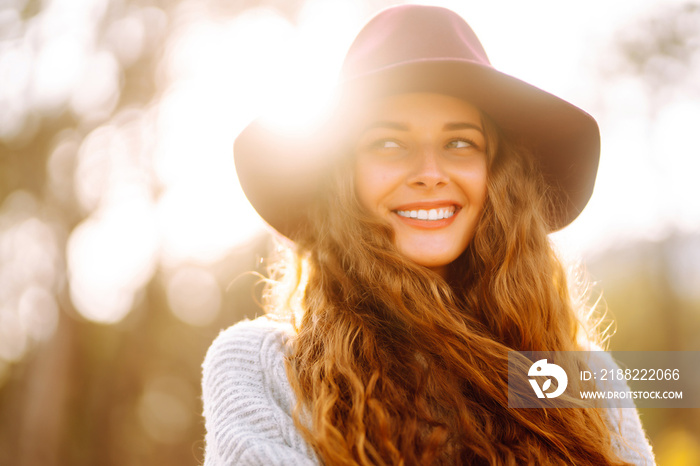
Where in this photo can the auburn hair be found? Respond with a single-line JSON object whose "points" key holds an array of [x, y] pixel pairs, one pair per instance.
{"points": [[394, 365]]}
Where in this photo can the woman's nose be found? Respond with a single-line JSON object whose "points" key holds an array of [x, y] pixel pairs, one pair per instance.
{"points": [[428, 170]]}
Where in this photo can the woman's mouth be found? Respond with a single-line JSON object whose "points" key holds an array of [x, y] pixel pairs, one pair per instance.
{"points": [[428, 214]]}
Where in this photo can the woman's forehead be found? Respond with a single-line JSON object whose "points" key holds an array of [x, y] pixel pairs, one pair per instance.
{"points": [[401, 109]]}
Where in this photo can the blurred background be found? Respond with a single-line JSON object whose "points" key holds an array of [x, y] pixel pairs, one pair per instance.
{"points": [[126, 244]]}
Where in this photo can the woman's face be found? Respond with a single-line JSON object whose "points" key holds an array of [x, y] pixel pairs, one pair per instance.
{"points": [[421, 165]]}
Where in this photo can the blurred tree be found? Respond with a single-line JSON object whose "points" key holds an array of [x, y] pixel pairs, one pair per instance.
{"points": [[86, 393], [652, 288], [662, 50]]}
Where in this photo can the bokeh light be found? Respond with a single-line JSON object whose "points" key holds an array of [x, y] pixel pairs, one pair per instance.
{"points": [[194, 296], [166, 408], [111, 255], [99, 88], [30, 269]]}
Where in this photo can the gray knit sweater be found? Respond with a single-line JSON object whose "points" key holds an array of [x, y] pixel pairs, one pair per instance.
{"points": [[248, 403]]}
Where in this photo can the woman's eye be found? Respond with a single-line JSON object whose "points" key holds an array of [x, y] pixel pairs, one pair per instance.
{"points": [[459, 144], [386, 144]]}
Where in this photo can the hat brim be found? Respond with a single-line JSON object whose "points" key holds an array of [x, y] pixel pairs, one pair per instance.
{"points": [[280, 174]]}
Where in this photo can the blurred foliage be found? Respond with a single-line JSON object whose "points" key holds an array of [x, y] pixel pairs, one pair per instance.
{"points": [[89, 393], [652, 289], [652, 292], [77, 392], [656, 58], [663, 49]]}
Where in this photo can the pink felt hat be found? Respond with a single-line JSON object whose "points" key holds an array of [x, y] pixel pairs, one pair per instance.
{"points": [[412, 48]]}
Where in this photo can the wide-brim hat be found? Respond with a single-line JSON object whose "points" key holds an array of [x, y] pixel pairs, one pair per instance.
{"points": [[412, 48]]}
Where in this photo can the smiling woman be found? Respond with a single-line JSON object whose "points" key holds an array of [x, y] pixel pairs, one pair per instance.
{"points": [[421, 166], [419, 221]]}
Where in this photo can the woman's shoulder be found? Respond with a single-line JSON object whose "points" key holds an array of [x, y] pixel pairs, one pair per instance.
{"points": [[249, 337], [250, 355], [247, 397]]}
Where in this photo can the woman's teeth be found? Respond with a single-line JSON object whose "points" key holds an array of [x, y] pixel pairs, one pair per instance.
{"points": [[432, 214]]}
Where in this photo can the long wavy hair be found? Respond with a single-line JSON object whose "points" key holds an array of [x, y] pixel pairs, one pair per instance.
{"points": [[392, 364]]}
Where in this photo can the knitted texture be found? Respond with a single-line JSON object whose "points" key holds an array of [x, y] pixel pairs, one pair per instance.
{"points": [[248, 400], [248, 403], [632, 444]]}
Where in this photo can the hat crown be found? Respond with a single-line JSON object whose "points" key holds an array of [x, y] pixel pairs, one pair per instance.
{"points": [[410, 34]]}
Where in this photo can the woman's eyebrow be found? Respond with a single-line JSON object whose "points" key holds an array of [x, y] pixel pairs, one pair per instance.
{"points": [[387, 124], [461, 125], [395, 125]]}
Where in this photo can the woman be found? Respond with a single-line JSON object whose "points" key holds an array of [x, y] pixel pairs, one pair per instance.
{"points": [[419, 215]]}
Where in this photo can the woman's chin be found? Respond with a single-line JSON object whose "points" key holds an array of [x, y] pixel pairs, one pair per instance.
{"points": [[434, 260], [432, 254]]}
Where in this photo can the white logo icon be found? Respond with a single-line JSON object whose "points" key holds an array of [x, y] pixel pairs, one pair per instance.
{"points": [[542, 368]]}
